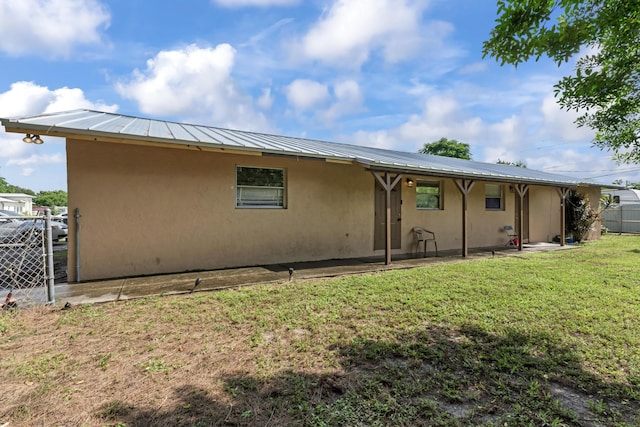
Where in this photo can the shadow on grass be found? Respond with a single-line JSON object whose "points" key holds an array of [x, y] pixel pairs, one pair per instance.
{"points": [[434, 377]]}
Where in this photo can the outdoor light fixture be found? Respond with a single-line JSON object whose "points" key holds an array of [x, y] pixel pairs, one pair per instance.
{"points": [[409, 182], [32, 139]]}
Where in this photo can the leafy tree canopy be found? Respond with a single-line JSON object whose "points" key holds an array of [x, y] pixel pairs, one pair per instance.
{"points": [[51, 198], [606, 82], [447, 148], [5, 187], [518, 163]]}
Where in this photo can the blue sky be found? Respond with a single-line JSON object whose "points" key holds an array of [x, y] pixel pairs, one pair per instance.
{"points": [[387, 73]]}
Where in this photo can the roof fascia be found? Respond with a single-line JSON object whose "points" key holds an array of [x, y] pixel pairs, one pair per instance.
{"points": [[479, 177]]}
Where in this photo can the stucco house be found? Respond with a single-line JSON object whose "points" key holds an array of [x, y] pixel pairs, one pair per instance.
{"points": [[247, 198], [17, 202]]}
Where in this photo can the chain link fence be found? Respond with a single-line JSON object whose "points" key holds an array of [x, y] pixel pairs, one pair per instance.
{"points": [[26, 254]]}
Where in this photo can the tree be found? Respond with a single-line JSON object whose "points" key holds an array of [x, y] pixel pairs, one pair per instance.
{"points": [[606, 83], [447, 148], [518, 163], [5, 187], [51, 198], [579, 215]]}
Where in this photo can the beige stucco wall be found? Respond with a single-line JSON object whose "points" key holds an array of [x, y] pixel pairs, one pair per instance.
{"points": [[153, 210], [149, 210]]}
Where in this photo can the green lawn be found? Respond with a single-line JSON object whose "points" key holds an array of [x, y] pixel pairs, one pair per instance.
{"points": [[540, 339]]}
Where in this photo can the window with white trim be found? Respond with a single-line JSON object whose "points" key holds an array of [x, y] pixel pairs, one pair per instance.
{"points": [[428, 195], [260, 187], [493, 197]]}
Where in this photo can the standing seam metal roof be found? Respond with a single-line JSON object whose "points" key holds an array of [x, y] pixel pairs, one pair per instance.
{"points": [[97, 123]]}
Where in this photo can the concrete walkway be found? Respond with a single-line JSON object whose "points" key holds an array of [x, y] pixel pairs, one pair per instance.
{"points": [[170, 284]]}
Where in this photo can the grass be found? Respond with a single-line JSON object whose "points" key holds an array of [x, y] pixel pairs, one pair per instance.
{"points": [[541, 339]]}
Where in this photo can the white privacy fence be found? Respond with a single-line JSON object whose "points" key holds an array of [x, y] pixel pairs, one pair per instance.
{"points": [[622, 218], [26, 262]]}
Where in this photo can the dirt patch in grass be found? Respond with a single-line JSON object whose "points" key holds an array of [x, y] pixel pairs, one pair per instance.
{"points": [[190, 365], [395, 348]]}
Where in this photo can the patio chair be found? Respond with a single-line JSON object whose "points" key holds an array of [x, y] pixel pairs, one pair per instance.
{"points": [[420, 235], [512, 236]]}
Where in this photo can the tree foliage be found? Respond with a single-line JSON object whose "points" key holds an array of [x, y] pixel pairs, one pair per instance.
{"points": [[518, 163], [447, 148], [51, 198], [604, 35], [579, 215], [5, 187]]}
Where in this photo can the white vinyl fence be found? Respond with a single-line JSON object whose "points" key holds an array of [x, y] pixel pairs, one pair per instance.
{"points": [[26, 262], [622, 218]]}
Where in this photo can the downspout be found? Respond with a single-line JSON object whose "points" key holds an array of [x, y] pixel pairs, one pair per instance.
{"points": [[77, 216], [51, 298]]}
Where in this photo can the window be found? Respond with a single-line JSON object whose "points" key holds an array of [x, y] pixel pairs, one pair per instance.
{"points": [[259, 187], [428, 195], [493, 197], [616, 199]]}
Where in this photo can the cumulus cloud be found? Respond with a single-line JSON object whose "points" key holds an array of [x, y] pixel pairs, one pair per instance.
{"points": [[348, 99], [29, 98], [266, 99], [38, 159], [305, 94], [260, 3], [51, 28], [323, 101], [194, 83], [544, 137], [348, 32]]}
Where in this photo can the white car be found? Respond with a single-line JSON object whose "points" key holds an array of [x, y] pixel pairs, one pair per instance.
{"points": [[18, 229]]}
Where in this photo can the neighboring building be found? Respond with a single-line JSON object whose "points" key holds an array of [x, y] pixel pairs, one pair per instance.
{"points": [[623, 197], [17, 202], [624, 215], [158, 197]]}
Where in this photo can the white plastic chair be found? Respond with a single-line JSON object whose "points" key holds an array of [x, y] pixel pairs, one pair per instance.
{"points": [[421, 235]]}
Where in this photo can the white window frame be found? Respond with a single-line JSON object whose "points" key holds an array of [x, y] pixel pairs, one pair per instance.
{"points": [[278, 201], [493, 196], [431, 184]]}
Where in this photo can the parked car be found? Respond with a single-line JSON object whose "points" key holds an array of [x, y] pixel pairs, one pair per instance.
{"points": [[20, 230], [6, 216]]}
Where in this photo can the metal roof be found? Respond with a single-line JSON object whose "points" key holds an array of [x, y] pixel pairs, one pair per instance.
{"points": [[110, 125]]}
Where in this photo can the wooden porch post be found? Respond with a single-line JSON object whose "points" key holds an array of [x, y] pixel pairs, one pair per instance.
{"points": [[465, 186], [387, 185], [563, 192], [521, 189]]}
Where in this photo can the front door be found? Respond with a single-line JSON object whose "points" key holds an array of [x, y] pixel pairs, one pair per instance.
{"points": [[380, 218]]}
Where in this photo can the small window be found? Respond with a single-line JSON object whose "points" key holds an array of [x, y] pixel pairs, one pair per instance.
{"points": [[259, 187], [493, 197], [616, 199], [428, 195]]}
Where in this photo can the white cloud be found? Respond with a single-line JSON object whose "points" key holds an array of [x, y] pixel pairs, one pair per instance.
{"points": [[28, 98], [560, 123], [38, 159], [51, 28], [195, 84], [305, 94], [544, 137], [260, 3], [266, 99], [348, 99], [350, 30]]}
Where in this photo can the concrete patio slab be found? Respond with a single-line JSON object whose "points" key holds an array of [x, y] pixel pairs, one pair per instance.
{"points": [[171, 284]]}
